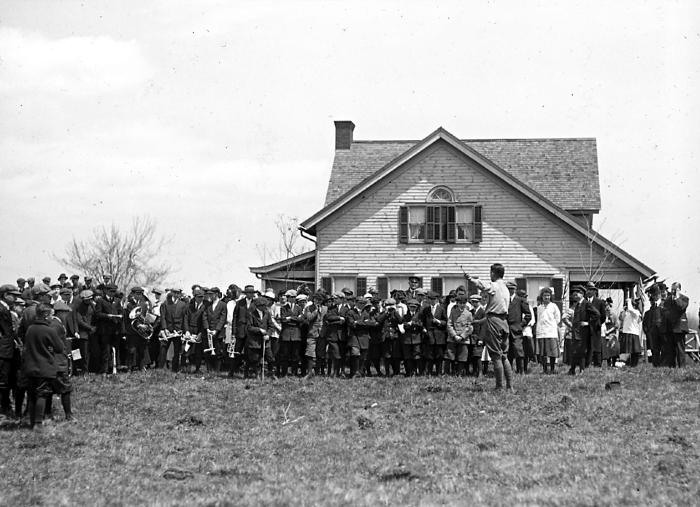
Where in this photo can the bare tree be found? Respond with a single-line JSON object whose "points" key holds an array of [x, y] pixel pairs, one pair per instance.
{"points": [[129, 256]]}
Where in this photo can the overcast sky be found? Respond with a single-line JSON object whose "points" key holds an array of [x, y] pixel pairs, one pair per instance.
{"points": [[214, 118]]}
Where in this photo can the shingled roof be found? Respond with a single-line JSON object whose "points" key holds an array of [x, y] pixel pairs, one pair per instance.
{"points": [[565, 171]]}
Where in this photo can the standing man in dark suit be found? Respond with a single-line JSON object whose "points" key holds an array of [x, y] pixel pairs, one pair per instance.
{"points": [[108, 315], [216, 318], [595, 352], [585, 317], [435, 325], [197, 328], [9, 348], [676, 326], [290, 338], [519, 315], [173, 315], [240, 325]]}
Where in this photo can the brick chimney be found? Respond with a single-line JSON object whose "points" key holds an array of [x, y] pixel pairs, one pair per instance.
{"points": [[343, 134]]}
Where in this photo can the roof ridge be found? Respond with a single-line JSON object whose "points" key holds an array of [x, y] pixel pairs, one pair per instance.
{"points": [[502, 139]]}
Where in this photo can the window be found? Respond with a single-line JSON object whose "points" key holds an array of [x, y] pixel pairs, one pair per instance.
{"points": [[440, 220]]}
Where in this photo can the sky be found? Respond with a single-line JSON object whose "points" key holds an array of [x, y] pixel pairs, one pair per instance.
{"points": [[213, 118]]}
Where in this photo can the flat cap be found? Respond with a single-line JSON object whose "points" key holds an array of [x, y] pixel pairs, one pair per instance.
{"points": [[412, 302], [65, 291], [155, 290], [475, 298], [291, 293], [346, 291], [74, 277], [433, 295], [302, 297], [420, 291], [511, 285], [462, 298], [86, 294], [46, 280], [110, 286], [61, 306], [10, 289], [579, 288], [390, 302], [260, 301], [40, 288]]}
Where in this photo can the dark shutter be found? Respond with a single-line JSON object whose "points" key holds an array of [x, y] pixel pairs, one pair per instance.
{"points": [[558, 286], [521, 283], [472, 288], [403, 224], [436, 285], [361, 286], [327, 284], [451, 235], [477, 225], [383, 286], [429, 224]]}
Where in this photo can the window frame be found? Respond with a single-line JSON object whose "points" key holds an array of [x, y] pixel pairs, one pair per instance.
{"points": [[439, 222]]}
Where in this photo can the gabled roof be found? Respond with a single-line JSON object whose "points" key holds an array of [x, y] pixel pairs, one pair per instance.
{"points": [[284, 263], [441, 135], [563, 170]]}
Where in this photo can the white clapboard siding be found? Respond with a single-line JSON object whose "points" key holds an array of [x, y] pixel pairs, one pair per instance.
{"points": [[362, 238]]}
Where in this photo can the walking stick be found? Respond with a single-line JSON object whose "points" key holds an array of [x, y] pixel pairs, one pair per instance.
{"points": [[262, 370]]}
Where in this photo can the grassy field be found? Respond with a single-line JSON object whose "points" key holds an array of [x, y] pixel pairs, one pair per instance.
{"points": [[160, 438]]}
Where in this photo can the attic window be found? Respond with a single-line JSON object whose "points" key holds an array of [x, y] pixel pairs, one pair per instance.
{"points": [[441, 194]]}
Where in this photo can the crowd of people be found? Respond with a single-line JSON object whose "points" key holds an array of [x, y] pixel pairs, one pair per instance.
{"points": [[50, 332]]}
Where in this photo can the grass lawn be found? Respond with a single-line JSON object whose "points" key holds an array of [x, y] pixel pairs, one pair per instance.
{"points": [[161, 438]]}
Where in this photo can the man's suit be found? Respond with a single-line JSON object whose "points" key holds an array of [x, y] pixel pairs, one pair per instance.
{"points": [[108, 331], [676, 328], [174, 318], [519, 315]]}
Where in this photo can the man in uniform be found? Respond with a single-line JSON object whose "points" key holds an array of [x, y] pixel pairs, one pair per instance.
{"points": [[519, 315], [497, 331], [413, 285]]}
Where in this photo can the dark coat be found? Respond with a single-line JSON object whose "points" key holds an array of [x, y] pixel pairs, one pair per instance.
{"points": [[197, 319], [108, 326], [584, 311], [85, 315], [41, 343], [240, 317], [7, 334], [258, 326], [216, 316], [413, 327], [436, 333], [519, 314], [291, 316], [674, 313], [334, 325], [360, 323], [174, 316]]}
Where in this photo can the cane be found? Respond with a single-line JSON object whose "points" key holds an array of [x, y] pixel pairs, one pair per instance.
{"points": [[262, 371]]}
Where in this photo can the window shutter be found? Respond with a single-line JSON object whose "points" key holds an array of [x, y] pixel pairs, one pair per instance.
{"points": [[429, 224], [558, 286], [521, 283], [403, 224], [436, 285], [383, 286], [477, 225], [361, 286], [327, 284], [451, 234], [472, 288]]}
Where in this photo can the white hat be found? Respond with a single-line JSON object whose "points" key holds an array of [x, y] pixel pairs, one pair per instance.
{"points": [[291, 293]]}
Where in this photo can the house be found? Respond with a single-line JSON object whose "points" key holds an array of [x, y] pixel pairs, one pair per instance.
{"points": [[442, 206]]}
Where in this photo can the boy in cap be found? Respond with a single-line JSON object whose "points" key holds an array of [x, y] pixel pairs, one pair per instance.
{"points": [[334, 324], [392, 350], [61, 384], [174, 323], [459, 332], [360, 320], [412, 337], [435, 325]]}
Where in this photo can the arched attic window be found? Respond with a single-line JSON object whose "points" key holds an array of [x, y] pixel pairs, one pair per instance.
{"points": [[441, 194]]}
